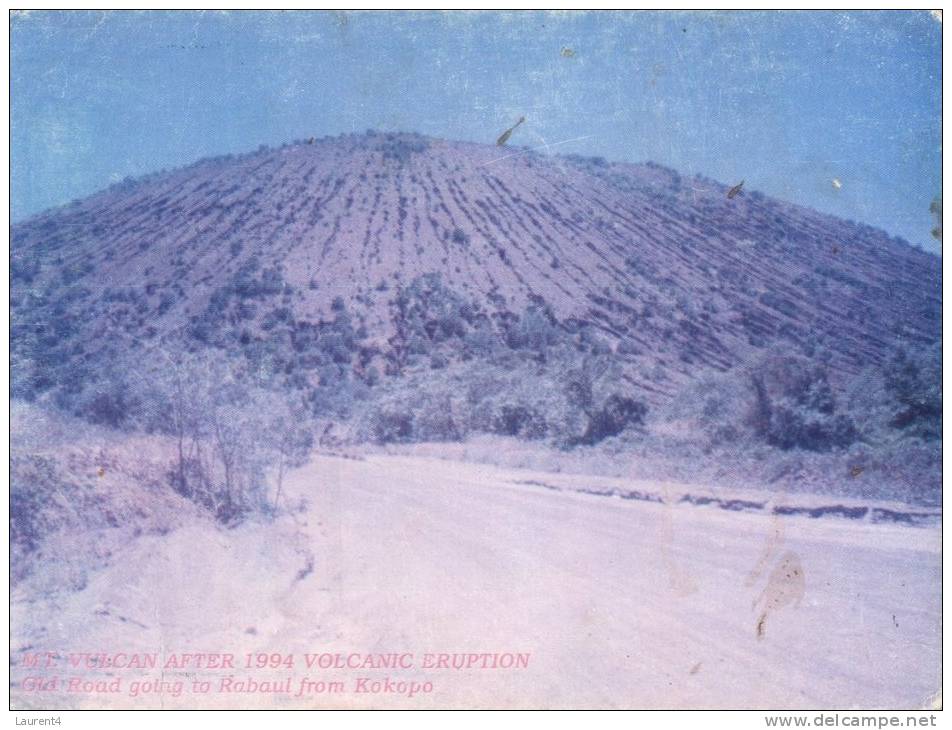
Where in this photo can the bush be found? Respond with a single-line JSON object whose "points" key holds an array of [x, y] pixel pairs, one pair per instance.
{"points": [[108, 406], [231, 434], [435, 420], [793, 406], [782, 400], [913, 382], [535, 330], [33, 486], [618, 413], [519, 420], [402, 147], [393, 427], [789, 428]]}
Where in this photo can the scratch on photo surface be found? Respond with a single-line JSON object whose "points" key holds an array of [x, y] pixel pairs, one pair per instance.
{"points": [[533, 149], [680, 580], [785, 586], [771, 545]]}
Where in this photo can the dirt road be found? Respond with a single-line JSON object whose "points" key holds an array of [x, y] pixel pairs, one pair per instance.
{"points": [[617, 603]]}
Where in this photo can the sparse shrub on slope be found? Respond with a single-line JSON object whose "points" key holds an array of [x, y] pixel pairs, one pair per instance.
{"points": [[597, 410], [535, 329], [392, 426], [437, 419], [520, 420], [414, 410], [782, 400], [53, 363], [460, 237], [616, 414], [793, 406], [235, 302], [33, 484], [231, 434], [107, 397], [913, 381], [290, 439], [79, 492], [402, 147], [568, 399], [902, 399], [429, 317], [434, 324], [251, 316], [44, 338]]}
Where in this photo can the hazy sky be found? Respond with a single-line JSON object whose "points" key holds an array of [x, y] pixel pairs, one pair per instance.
{"points": [[785, 101]]}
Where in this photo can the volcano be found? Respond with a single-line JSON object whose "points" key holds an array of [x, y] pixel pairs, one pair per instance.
{"points": [[670, 273], [630, 357]]}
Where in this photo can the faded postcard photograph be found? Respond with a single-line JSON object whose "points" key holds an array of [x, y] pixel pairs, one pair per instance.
{"points": [[475, 359]]}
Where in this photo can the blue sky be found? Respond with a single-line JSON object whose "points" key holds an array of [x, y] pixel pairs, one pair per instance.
{"points": [[785, 101]]}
